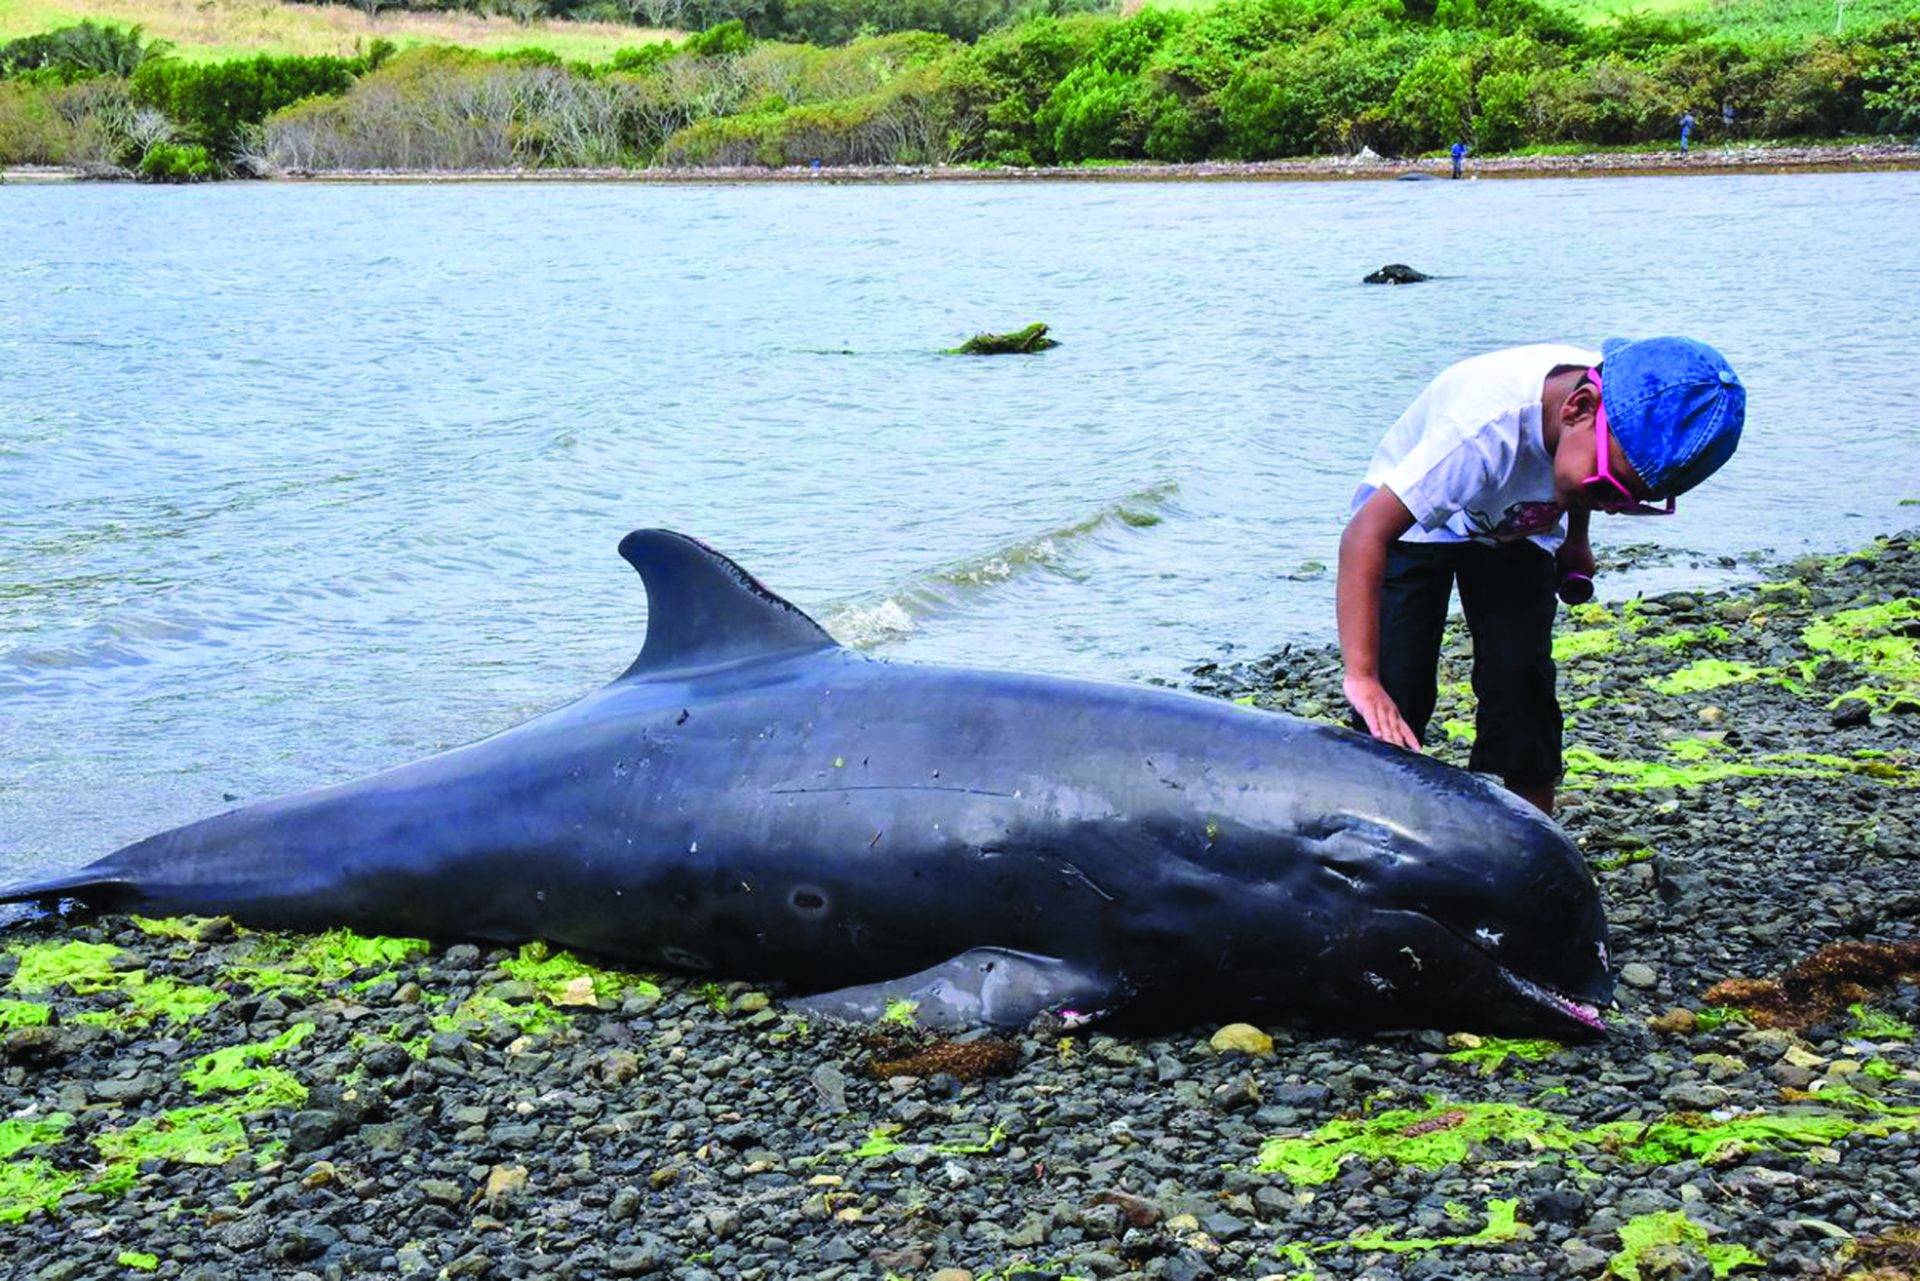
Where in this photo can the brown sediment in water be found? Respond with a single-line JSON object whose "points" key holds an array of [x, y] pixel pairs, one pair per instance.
{"points": [[1822, 985]]}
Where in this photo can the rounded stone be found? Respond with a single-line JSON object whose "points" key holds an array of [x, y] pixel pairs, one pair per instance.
{"points": [[1243, 1038]]}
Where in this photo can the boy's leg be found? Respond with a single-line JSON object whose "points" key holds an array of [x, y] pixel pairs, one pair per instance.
{"points": [[1507, 594], [1413, 615]]}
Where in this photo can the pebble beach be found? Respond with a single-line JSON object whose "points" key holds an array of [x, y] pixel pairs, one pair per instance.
{"points": [[1878, 154], [189, 1099]]}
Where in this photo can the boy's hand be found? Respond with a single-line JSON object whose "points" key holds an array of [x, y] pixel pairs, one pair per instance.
{"points": [[1574, 558], [1376, 707], [1576, 553], [1363, 566]]}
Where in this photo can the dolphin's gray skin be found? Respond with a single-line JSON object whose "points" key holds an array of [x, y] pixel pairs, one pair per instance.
{"points": [[753, 800]]}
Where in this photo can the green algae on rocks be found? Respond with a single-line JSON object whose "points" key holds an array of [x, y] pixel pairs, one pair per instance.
{"points": [[1692, 762], [881, 1142], [1882, 640], [1445, 1133], [23, 1014], [1503, 1225], [88, 969], [31, 1185], [303, 963], [564, 979], [34, 1183], [1704, 674], [1642, 1237], [209, 1133], [238, 1068], [1488, 1054]]}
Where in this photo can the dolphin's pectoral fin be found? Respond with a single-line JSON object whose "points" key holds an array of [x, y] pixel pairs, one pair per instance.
{"points": [[988, 986], [703, 610]]}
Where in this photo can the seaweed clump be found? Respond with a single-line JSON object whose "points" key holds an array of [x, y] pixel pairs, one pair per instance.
{"points": [[1020, 342], [962, 1060], [1894, 1255], [1819, 987]]}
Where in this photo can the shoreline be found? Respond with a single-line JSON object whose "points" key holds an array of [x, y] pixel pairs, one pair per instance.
{"points": [[197, 1102], [1864, 157]]}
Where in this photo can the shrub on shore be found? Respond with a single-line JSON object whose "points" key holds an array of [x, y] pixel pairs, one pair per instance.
{"points": [[1245, 80]]}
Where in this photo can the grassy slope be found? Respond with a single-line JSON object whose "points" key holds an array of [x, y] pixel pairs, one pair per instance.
{"points": [[1750, 18], [1740, 18], [210, 29], [206, 30]]}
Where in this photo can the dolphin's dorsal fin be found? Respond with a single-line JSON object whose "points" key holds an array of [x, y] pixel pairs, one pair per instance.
{"points": [[705, 611]]}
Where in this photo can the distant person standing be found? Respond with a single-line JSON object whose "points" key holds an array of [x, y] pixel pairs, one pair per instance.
{"points": [[1686, 130], [1459, 154], [1726, 117]]}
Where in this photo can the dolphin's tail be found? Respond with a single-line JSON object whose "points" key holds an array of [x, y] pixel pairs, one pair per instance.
{"points": [[99, 885]]}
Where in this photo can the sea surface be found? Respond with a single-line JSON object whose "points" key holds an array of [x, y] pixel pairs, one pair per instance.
{"points": [[299, 481]]}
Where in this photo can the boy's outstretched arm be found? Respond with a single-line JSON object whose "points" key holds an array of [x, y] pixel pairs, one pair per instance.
{"points": [[1363, 567]]}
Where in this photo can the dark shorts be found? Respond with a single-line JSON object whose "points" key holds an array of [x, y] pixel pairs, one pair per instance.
{"points": [[1507, 595]]}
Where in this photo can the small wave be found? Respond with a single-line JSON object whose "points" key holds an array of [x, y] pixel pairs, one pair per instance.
{"points": [[865, 626], [874, 621]]}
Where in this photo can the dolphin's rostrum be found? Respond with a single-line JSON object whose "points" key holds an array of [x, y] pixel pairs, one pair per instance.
{"points": [[752, 800]]}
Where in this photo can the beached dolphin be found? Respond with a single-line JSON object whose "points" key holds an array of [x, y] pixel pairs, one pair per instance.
{"points": [[752, 800]]}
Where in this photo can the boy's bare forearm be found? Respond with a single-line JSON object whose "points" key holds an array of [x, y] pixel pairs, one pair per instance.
{"points": [[1363, 568], [1356, 603]]}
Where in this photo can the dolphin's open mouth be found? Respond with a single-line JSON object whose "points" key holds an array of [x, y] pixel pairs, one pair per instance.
{"points": [[1588, 1016]]}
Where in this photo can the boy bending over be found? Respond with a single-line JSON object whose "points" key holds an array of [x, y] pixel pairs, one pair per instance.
{"points": [[1489, 479]]}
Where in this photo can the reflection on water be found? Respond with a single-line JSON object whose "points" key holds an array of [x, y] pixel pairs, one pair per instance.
{"points": [[299, 481]]}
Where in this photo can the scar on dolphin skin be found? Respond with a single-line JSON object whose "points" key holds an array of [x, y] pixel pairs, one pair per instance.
{"points": [[615, 825]]}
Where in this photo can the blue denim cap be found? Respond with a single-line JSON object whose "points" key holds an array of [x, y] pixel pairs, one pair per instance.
{"points": [[1676, 407]]}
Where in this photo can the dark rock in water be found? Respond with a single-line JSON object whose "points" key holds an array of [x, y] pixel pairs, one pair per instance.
{"points": [[1032, 338], [1417, 176], [1396, 273]]}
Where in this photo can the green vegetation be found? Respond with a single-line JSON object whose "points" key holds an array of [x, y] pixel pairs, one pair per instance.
{"points": [[1713, 1017], [304, 963], [1032, 338], [881, 1142], [1649, 1232], [1445, 1133], [1502, 1225], [237, 1069], [1876, 1026], [26, 1186], [81, 967], [1691, 762], [87, 969], [1488, 1054], [1705, 674], [1241, 80], [1882, 640], [565, 980], [17, 1135], [23, 1014]]}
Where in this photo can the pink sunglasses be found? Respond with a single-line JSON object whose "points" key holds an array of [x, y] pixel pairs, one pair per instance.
{"points": [[1608, 494]]}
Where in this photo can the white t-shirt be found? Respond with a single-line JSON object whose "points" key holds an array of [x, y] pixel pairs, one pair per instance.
{"points": [[1468, 459]]}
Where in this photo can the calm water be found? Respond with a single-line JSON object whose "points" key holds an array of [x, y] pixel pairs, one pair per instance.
{"points": [[301, 481]]}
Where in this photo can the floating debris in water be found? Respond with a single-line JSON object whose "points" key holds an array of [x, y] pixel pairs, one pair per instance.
{"points": [[1031, 339]]}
